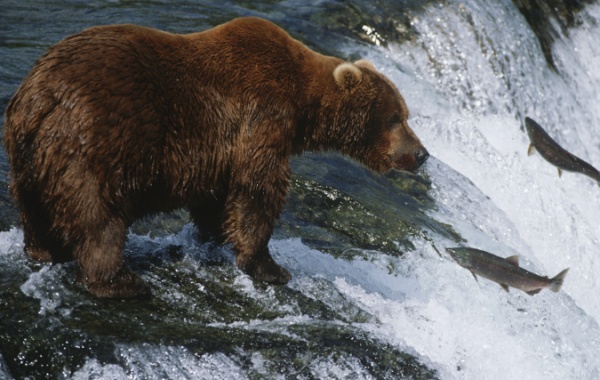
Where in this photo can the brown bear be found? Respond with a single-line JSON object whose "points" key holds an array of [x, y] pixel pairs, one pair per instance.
{"points": [[122, 121]]}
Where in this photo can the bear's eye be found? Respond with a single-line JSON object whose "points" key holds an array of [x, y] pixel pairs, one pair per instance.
{"points": [[393, 120]]}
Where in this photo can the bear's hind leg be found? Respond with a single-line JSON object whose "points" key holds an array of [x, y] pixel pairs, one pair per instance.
{"points": [[102, 267], [40, 242], [38, 245], [33, 248]]}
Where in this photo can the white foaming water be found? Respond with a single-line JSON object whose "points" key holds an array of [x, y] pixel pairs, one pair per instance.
{"points": [[162, 362], [469, 79]]}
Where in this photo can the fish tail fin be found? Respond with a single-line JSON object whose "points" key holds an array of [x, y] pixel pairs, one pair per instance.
{"points": [[557, 281]]}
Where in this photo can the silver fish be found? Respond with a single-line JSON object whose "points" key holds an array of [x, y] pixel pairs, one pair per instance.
{"points": [[555, 154], [504, 271]]}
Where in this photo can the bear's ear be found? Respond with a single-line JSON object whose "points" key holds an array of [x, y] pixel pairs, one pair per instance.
{"points": [[347, 76], [366, 64]]}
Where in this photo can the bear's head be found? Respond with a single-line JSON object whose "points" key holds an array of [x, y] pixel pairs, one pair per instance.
{"points": [[376, 131]]}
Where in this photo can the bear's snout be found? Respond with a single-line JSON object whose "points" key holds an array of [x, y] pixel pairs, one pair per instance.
{"points": [[410, 161], [421, 155]]}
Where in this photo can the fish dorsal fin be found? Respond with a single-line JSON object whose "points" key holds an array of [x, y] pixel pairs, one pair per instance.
{"points": [[530, 150], [505, 287], [514, 260], [559, 172]]}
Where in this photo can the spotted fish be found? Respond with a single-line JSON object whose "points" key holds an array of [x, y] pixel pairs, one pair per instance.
{"points": [[504, 271], [555, 154]]}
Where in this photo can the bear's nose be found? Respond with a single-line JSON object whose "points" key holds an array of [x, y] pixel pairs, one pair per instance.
{"points": [[421, 155]]}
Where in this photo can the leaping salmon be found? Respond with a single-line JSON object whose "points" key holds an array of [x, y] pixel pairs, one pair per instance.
{"points": [[555, 154], [504, 271]]}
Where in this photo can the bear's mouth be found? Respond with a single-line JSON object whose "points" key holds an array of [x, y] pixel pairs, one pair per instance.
{"points": [[411, 161]]}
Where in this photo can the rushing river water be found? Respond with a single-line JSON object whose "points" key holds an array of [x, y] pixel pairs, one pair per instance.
{"points": [[374, 295]]}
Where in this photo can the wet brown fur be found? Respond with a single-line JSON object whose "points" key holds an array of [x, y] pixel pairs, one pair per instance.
{"points": [[121, 121]]}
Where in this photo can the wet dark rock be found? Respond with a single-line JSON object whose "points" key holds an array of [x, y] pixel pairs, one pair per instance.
{"points": [[540, 15]]}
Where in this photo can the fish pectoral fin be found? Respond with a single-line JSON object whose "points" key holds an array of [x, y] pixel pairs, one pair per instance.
{"points": [[505, 287], [559, 172], [474, 275], [530, 150], [514, 260], [534, 292]]}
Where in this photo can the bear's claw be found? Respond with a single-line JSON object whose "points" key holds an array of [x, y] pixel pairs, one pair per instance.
{"points": [[264, 268], [124, 284], [38, 254], [275, 275]]}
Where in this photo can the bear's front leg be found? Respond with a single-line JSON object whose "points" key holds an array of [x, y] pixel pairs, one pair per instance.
{"points": [[249, 222]]}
